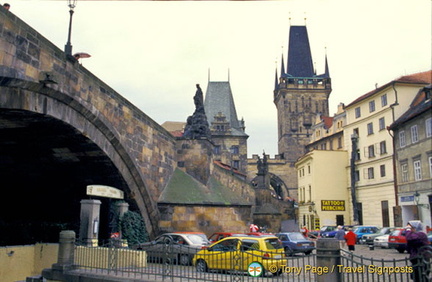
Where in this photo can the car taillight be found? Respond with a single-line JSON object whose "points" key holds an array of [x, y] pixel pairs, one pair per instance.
{"points": [[266, 255], [204, 247], [299, 245]]}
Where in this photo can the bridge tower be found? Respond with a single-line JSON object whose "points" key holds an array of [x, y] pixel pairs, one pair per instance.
{"points": [[299, 95]]}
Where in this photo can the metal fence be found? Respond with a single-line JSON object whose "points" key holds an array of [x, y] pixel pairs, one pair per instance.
{"points": [[162, 265], [360, 268], [165, 265]]}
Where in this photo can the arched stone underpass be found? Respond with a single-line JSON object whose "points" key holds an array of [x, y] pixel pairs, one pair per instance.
{"points": [[62, 128], [45, 167]]}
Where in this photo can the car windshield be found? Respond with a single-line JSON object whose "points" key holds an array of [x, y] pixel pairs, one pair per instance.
{"points": [[197, 239], [273, 243], [296, 236], [395, 233]]}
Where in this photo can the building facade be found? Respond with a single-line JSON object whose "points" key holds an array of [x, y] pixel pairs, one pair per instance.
{"points": [[369, 144], [413, 159], [323, 202]]}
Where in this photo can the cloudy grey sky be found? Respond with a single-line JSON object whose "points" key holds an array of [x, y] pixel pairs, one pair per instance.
{"points": [[154, 52]]}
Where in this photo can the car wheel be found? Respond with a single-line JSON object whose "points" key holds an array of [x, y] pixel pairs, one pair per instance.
{"points": [[400, 250], [184, 259], [201, 266], [288, 251]]}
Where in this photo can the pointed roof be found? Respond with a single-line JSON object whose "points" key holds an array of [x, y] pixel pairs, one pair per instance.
{"points": [[300, 62], [219, 99]]}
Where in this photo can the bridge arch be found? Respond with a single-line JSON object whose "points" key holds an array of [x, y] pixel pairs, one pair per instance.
{"points": [[24, 98]]}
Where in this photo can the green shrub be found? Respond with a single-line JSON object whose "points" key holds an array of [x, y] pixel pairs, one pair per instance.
{"points": [[133, 228]]}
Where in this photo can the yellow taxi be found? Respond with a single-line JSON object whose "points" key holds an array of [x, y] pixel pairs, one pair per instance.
{"points": [[256, 255]]}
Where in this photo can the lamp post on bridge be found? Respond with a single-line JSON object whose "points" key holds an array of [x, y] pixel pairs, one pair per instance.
{"points": [[68, 46]]}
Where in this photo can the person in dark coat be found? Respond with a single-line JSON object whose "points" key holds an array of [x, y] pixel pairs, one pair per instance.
{"points": [[416, 239]]}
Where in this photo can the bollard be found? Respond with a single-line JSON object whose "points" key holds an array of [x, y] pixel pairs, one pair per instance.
{"points": [[328, 255], [65, 258]]}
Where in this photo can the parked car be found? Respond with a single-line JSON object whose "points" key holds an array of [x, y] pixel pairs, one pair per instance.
{"points": [[429, 235], [361, 230], [314, 234], [327, 228], [220, 235], [179, 247], [370, 238], [202, 235], [397, 240], [332, 233], [295, 242], [381, 241], [260, 234], [224, 255]]}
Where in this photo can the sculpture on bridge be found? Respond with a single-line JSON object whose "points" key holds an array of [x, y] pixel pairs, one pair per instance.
{"points": [[197, 125]]}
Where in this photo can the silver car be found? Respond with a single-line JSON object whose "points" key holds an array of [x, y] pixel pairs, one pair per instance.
{"points": [[381, 241], [178, 247]]}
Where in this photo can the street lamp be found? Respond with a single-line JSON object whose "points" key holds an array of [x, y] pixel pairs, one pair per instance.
{"points": [[68, 46], [417, 200], [354, 145]]}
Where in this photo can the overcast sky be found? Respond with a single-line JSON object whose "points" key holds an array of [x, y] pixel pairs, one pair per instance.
{"points": [[154, 52]]}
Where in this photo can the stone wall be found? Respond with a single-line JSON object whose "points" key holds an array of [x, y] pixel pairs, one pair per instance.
{"points": [[140, 148], [205, 218]]}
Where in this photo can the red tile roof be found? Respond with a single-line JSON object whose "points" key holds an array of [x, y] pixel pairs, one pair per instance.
{"points": [[416, 78]]}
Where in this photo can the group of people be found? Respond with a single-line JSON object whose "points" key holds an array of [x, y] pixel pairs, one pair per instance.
{"points": [[349, 238]]}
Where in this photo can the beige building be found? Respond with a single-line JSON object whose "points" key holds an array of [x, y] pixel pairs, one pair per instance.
{"points": [[413, 146], [323, 196], [324, 202], [371, 172]]}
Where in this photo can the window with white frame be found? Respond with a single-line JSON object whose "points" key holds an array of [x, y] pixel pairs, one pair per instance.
{"points": [[370, 172], [430, 166], [372, 106], [370, 128], [404, 174], [357, 112], [428, 127], [414, 134], [402, 140], [382, 170], [371, 151], [381, 123], [383, 147], [384, 100], [417, 170]]}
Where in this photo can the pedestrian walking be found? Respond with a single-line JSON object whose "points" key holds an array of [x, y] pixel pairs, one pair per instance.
{"points": [[351, 239], [340, 235], [416, 239]]}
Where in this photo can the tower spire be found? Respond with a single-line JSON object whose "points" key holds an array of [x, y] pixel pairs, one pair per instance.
{"points": [[299, 55], [327, 71]]}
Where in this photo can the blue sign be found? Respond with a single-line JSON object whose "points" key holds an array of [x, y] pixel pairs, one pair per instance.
{"points": [[407, 199]]}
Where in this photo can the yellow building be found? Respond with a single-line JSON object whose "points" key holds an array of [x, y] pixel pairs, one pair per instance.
{"points": [[323, 195], [366, 134]]}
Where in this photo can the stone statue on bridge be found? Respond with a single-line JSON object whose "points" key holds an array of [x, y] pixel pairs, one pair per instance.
{"points": [[197, 125]]}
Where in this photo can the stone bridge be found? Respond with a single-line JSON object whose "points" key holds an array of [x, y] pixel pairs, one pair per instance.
{"points": [[62, 128]]}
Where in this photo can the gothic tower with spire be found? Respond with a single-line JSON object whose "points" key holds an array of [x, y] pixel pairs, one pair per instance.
{"points": [[299, 95]]}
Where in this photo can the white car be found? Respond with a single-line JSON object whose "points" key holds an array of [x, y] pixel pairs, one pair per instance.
{"points": [[381, 241]]}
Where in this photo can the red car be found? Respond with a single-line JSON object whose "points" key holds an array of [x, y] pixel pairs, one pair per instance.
{"points": [[397, 240], [220, 235]]}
